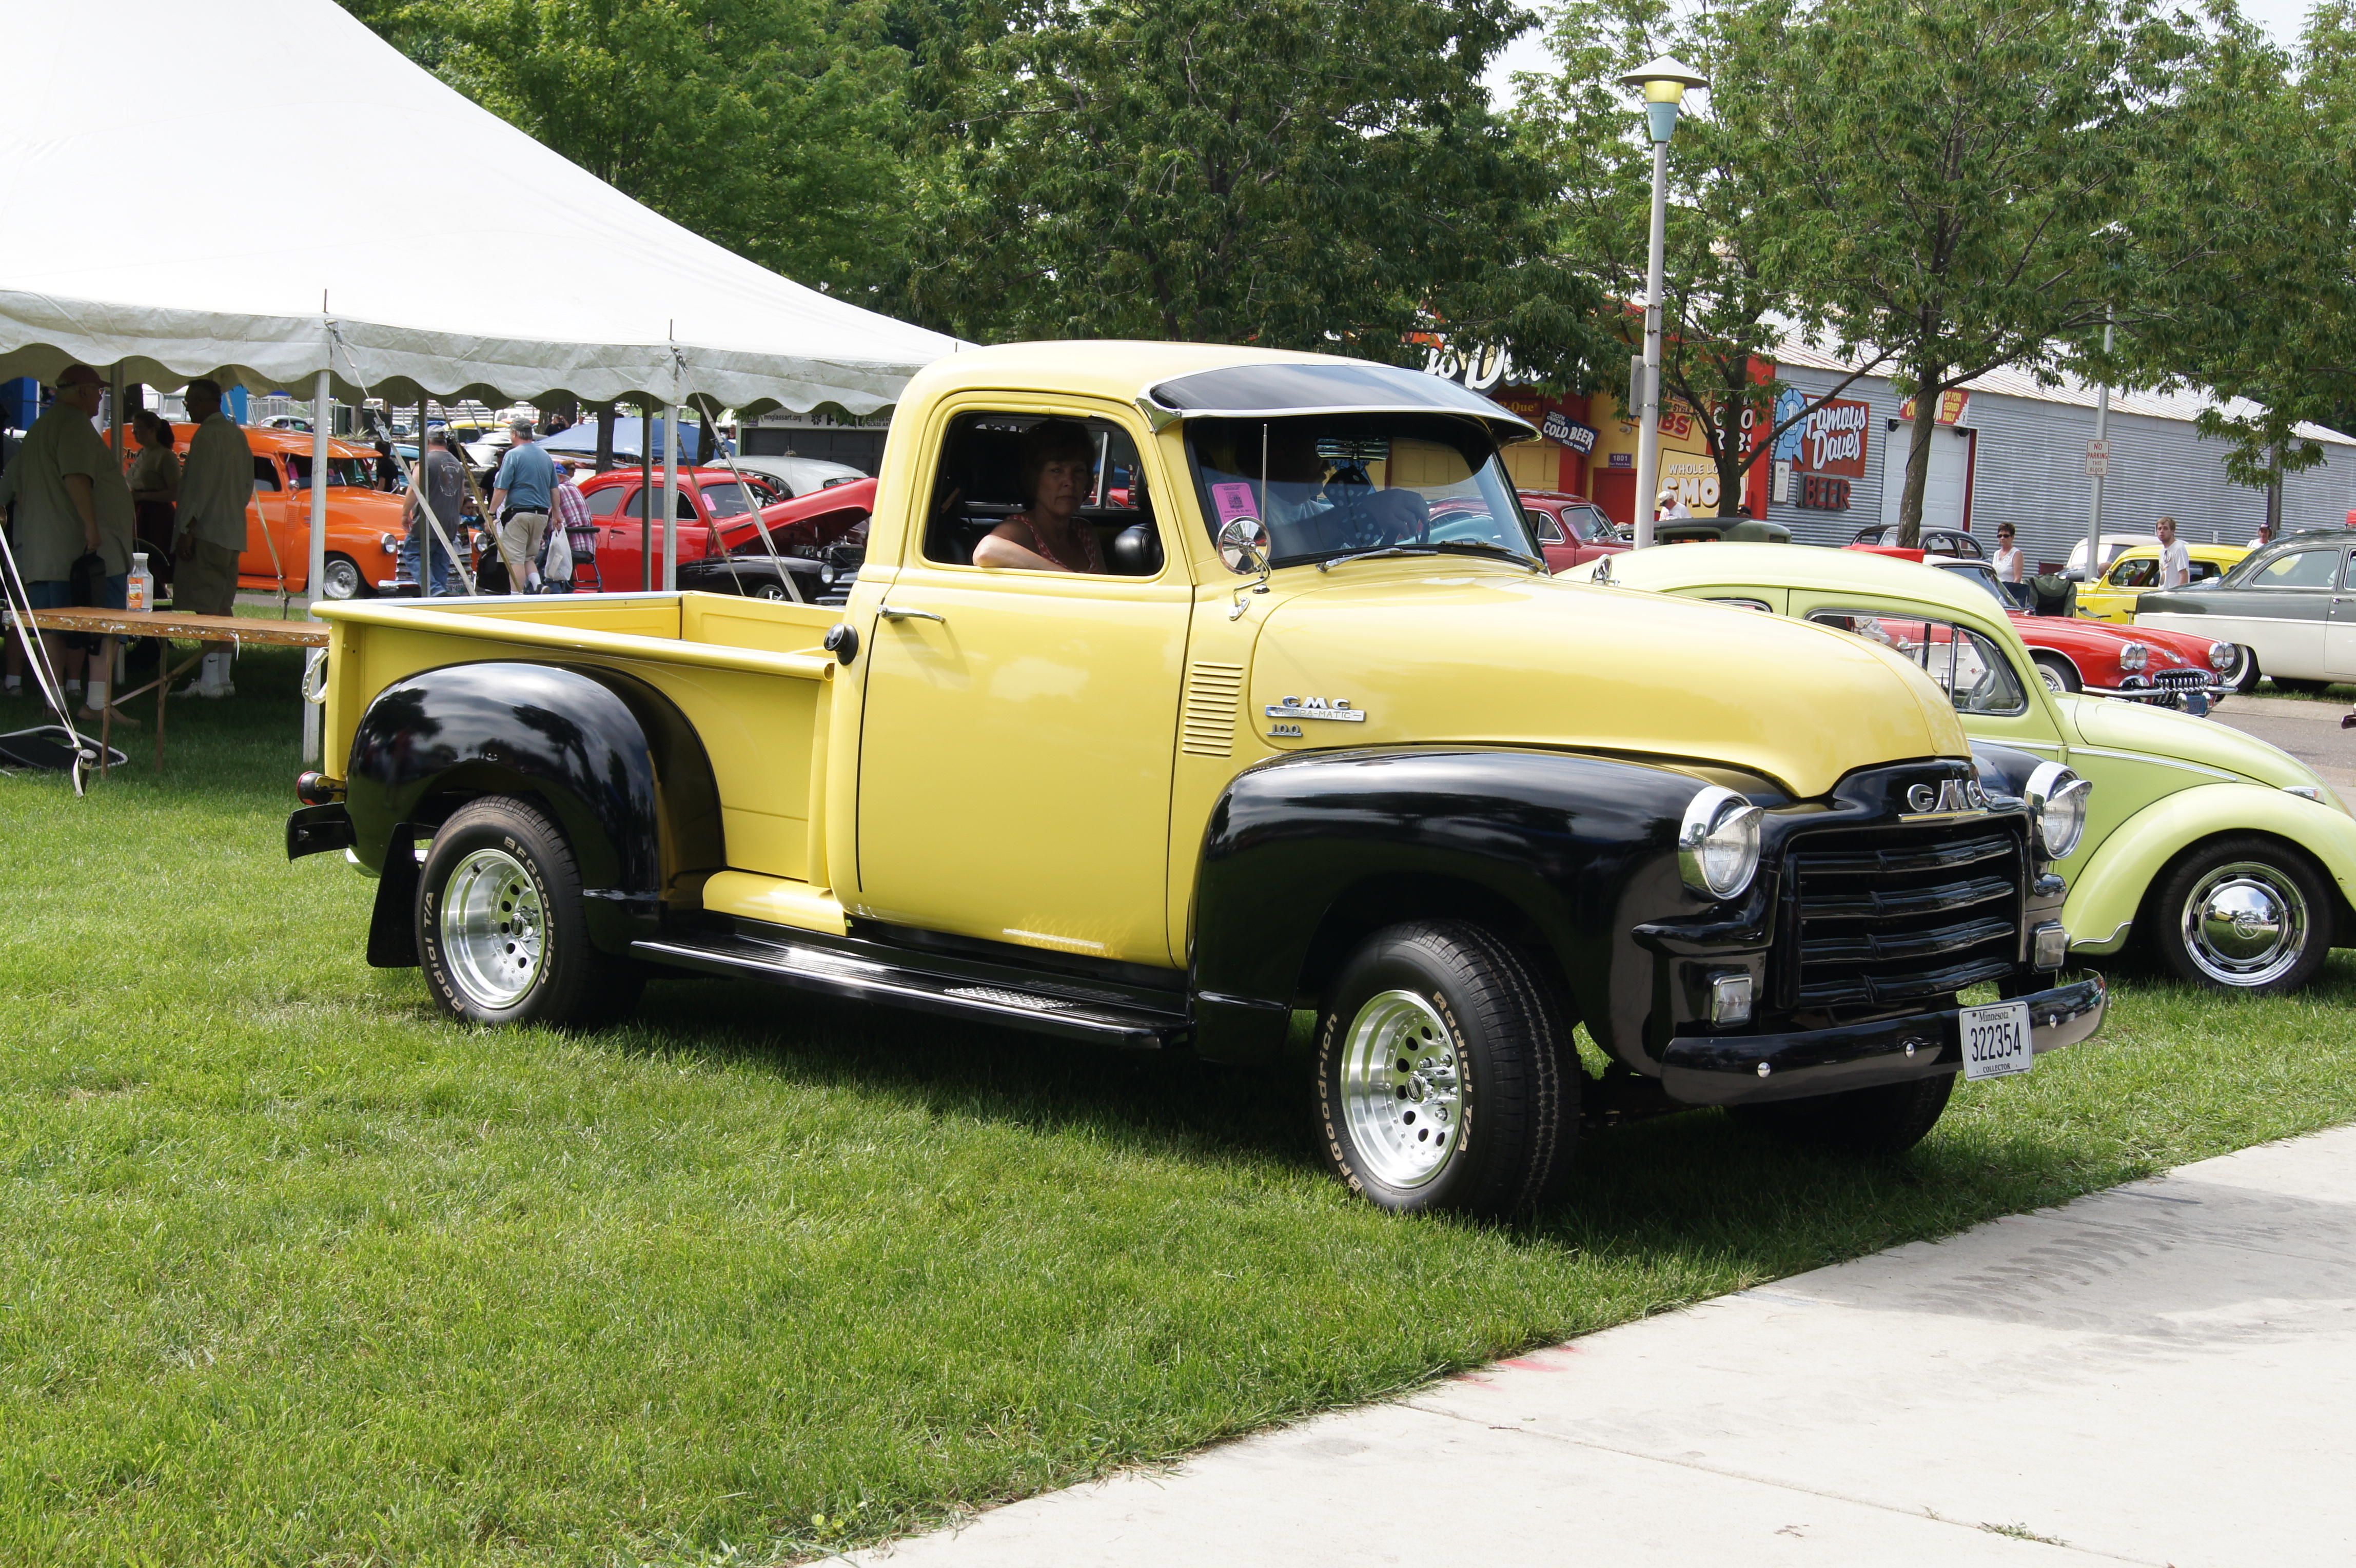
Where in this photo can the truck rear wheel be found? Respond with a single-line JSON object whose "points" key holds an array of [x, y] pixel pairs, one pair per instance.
{"points": [[1439, 1078], [502, 931], [1888, 1119]]}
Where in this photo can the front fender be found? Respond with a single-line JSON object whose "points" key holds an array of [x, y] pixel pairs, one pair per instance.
{"points": [[1579, 851], [616, 763], [2107, 893]]}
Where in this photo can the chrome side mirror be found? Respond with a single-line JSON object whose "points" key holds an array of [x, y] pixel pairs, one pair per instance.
{"points": [[1244, 545]]}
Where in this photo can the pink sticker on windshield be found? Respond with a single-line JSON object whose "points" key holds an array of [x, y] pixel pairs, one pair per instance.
{"points": [[1233, 501]]}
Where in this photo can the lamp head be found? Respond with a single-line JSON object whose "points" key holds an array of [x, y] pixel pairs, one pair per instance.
{"points": [[1664, 79]]}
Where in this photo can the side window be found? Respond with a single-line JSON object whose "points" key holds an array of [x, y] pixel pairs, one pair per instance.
{"points": [[2300, 569], [605, 502], [990, 464], [1971, 668], [1550, 531], [1596, 527], [642, 498], [2204, 570], [2141, 572], [265, 475]]}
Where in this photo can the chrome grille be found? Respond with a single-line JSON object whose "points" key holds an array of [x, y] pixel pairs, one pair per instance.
{"points": [[2180, 681], [1886, 916]]}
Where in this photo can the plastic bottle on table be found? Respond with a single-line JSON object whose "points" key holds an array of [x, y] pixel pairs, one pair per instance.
{"points": [[140, 594]]}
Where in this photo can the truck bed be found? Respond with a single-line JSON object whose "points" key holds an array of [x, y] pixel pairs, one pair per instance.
{"points": [[749, 675]]}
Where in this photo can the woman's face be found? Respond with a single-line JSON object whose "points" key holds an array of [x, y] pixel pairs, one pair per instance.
{"points": [[151, 434], [1062, 482]]}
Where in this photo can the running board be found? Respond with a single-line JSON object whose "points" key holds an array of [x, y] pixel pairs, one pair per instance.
{"points": [[1044, 1006]]}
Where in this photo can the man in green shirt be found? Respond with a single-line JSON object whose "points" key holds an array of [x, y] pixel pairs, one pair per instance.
{"points": [[215, 483], [70, 501]]}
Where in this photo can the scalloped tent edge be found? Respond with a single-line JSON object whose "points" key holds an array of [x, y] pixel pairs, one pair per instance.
{"points": [[548, 284]]}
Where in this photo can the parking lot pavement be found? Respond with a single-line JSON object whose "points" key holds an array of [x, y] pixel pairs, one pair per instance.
{"points": [[2163, 1373], [2308, 731]]}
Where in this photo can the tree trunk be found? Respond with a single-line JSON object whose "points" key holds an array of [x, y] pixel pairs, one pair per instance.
{"points": [[1927, 389]]}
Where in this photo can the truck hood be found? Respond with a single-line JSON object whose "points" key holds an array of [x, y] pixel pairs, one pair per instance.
{"points": [[1481, 655], [2137, 726]]}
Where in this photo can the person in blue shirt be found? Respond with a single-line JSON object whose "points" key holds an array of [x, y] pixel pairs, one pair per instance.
{"points": [[520, 501]]}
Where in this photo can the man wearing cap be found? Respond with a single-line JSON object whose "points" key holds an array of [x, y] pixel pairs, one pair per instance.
{"points": [[72, 501], [521, 496], [216, 484]]}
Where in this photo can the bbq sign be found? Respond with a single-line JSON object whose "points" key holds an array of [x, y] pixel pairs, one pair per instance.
{"points": [[1833, 439]]}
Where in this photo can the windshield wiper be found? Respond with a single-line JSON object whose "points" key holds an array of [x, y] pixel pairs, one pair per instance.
{"points": [[1483, 547], [1375, 554]]}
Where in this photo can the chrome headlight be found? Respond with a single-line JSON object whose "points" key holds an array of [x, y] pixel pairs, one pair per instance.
{"points": [[2222, 656], [1717, 844], [2057, 806], [2134, 656], [391, 543]]}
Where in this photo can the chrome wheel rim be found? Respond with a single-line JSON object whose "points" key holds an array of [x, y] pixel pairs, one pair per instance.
{"points": [[1403, 1082], [494, 927], [2054, 681], [2245, 924], [341, 580]]}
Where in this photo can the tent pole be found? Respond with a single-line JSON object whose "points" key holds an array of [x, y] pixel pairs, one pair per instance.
{"points": [[605, 438], [323, 416], [647, 496], [671, 503]]}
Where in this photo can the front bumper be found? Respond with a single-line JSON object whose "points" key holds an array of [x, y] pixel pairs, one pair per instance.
{"points": [[1725, 1069]]}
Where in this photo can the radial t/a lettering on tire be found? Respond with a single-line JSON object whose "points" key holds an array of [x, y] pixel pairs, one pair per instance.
{"points": [[1441, 1080], [502, 931]]}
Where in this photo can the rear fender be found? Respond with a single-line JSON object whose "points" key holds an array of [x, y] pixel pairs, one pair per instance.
{"points": [[2107, 893], [616, 763]]}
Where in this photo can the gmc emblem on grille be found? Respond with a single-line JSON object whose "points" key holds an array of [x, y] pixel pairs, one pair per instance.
{"points": [[1949, 795]]}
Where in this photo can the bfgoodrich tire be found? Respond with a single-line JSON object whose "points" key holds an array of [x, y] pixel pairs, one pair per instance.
{"points": [[2243, 913], [1887, 1119], [1441, 1076], [502, 932]]}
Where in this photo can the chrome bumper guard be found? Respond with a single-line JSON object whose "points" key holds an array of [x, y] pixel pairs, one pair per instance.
{"points": [[1747, 1070]]}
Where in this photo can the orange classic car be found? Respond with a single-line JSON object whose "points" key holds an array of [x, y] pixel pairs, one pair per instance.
{"points": [[364, 526]]}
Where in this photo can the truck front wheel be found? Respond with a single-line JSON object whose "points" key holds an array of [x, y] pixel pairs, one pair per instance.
{"points": [[1439, 1076], [501, 928]]}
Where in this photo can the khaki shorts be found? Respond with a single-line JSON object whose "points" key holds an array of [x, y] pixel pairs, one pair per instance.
{"points": [[206, 584]]}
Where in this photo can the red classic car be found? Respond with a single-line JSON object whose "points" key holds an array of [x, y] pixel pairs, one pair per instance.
{"points": [[720, 547], [2138, 663], [1572, 530]]}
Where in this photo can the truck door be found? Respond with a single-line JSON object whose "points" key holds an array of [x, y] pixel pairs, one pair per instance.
{"points": [[1020, 725]]}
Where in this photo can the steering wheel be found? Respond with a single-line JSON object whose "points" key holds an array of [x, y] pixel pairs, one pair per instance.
{"points": [[1356, 508]]}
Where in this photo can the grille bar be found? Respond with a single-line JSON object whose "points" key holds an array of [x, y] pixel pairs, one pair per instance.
{"points": [[1938, 858], [1878, 903], [1873, 949]]}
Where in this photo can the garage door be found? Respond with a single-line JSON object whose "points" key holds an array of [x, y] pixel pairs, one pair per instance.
{"points": [[1943, 495]]}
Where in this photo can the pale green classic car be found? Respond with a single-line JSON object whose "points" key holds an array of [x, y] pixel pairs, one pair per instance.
{"points": [[2226, 859]]}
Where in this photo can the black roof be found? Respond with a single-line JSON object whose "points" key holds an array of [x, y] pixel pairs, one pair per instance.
{"points": [[1334, 386]]}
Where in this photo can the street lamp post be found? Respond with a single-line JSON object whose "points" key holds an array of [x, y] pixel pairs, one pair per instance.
{"points": [[1664, 81]]}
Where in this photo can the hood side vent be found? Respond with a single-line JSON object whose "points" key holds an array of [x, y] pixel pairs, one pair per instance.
{"points": [[1208, 726]]}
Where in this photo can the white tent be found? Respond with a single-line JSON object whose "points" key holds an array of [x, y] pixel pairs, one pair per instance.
{"points": [[137, 234]]}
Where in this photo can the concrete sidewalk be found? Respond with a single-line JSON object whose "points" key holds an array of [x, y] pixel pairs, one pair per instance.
{"points": [[2164, 1373]]}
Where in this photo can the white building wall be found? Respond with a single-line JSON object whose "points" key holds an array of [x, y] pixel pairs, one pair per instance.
{"points": [[2029, 466]]}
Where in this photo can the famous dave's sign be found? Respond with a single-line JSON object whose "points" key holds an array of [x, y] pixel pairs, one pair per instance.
{"points": [[1833, 439]]}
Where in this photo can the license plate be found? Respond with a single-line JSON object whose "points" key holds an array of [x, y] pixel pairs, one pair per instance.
{"points": [[1997, 1041]]}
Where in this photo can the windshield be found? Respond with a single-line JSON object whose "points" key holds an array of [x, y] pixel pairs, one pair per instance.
{"points": [[1335, 484], [1985, 577], [359, 473], [726, 499]]}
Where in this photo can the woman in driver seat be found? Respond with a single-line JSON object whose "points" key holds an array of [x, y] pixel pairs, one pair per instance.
{"points": [[1058, 461]]}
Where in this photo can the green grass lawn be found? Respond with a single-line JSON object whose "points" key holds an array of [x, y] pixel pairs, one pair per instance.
{"points": [[292, 1271]]}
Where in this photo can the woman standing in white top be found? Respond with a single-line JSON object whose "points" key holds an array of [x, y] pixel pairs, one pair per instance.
{"points": [[2008, 564]]}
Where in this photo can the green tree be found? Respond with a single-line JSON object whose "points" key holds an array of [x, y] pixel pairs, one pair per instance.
{"points": [[1947, 174], [773, 127], [2240, 269], [1724, 313], [1310, 174]]}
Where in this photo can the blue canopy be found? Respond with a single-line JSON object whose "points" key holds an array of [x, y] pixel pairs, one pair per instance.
{"points": [[580, 439]]}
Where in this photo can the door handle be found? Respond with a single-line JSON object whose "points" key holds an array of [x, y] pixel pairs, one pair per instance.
{"points": [[892, 612]]}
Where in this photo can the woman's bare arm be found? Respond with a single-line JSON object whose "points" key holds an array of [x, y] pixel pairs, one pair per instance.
{"points": [[998, 548]]}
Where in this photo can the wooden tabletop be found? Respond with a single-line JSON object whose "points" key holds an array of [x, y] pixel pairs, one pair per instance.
{"points": [[247, 629]]}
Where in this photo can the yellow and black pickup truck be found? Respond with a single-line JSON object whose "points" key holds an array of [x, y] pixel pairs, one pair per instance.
{"points": [[1286, 735]]}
